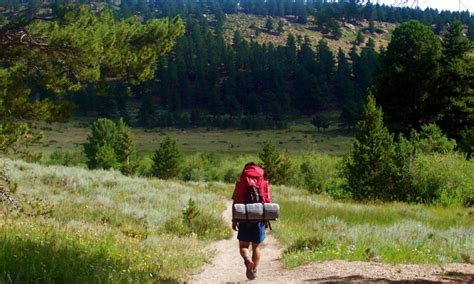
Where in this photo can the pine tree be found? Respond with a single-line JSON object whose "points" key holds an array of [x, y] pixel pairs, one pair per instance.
{"points": [[269, 24], [367, 168], [103, 134], [125, 148], [455, 98], [280, 27], [409, 72], [286, 170], [270, 160], [166, 160], [360, 39], [106, 158]]}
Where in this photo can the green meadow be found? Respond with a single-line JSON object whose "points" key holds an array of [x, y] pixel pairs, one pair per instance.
{"points": [[75, 223], [299, 138]]}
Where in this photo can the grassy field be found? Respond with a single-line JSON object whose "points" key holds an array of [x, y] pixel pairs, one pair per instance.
{"points": [[298, 138], [316, 228], [78, 226], [243, 23]]}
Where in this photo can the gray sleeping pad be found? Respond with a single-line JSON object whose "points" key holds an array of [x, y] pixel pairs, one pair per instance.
{"points": [[255, 212]]}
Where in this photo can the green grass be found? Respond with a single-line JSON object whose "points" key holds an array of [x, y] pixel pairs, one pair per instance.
{"points": [[103, 227], [110, 228], [298, 138], [317, 228]]}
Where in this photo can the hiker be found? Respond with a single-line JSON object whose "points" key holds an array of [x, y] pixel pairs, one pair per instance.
{"points": [[251, 188]]}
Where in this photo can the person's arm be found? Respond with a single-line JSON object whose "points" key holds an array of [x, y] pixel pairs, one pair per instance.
{"points": [[235, 225]]}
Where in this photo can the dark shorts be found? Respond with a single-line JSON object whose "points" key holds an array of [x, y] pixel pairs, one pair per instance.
{"points": [[251, 232]]}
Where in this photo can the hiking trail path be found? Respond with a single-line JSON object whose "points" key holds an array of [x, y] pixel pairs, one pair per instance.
{"points": [[227, 267]]}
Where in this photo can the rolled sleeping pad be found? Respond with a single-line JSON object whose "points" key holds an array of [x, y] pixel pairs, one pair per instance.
{"points": [[255, 212]]}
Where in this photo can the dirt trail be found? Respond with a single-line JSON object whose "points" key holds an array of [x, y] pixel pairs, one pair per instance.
{"points": [[227, 266]]}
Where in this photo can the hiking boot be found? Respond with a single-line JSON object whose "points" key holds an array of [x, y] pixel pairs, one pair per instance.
{"points": [[250, 267], [254, 272]]}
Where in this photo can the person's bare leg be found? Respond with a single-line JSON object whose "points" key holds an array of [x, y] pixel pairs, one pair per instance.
{"points": [[255, 253], [244, 249], [249, 264]]}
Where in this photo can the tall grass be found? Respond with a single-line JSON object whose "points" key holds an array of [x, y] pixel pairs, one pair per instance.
{"points": [[318, 228], [103, 227], [444, 179]]}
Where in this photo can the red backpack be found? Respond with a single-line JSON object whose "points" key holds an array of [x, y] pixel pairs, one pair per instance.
{"points": [[252, 187]]}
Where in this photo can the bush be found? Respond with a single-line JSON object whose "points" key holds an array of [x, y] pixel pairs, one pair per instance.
{"points": [[199, 222], [431, 139], [466, 143], [318, 174], [449, 179], [166, 160], [110, 145], [66, 158], [231, 175], [320, 121], [106, 157], [270, 161]]}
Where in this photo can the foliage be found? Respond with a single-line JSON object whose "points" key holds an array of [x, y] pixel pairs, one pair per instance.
{"points": [[103, 133], [317, 228], [270, 161], [66, 158], [125, 149], [167, 160], [367, 166], [319, 174], [203, 224], [424, 80], [110, 145], [430, 139], [269, 24], [457, 82], [467, 142], [280, 28], [106, 158], [409, 69], [191, 212], [94, 233], [320, 121], [44, 58], [360, 39]]}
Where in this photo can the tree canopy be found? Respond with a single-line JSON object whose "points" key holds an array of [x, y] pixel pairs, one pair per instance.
{"points": [[425, 79], [41, 59]]}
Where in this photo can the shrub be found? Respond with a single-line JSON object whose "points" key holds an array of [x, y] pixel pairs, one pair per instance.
{"points": [[231, 175], [466, 143], [66, 158], [166, 160], [106, 157], [448, 179], [195, 221], [430, 139], [318, 174], [110, 145], [320, 121]]}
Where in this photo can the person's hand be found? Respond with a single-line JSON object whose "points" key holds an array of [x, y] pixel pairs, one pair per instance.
{"points": [[235, 226], [267, 225]]}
